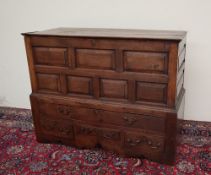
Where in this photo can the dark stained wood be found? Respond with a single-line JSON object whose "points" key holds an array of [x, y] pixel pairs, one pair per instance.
{"points": [[112, 33], [50, 56], [142, 144], [147, 77], [113, 88], [145, 62], [122, 44], [95, 59], [151, 92], [121, 90], [172, 74], [31, 64], [48, 82], [79, 85]]}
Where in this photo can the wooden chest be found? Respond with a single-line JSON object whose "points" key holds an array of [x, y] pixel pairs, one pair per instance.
{"points": [[118, 89]]}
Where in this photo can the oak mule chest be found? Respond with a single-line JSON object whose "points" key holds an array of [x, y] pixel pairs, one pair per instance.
{"points": [[118, 89]]}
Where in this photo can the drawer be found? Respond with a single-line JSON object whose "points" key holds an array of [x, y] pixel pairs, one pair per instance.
{"points": [[60, 111], [102, 117], [50, 56], [57, 128], [140, 144], [103, 133], [91, 136], [132, 120]]}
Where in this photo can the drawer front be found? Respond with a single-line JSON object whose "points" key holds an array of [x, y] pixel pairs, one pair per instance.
{"points": [[132, 120], [91, 136], [57, 128], [101, 117], [138, 144], [103, 133], [137, 61], [60, 111], [50, 56]]}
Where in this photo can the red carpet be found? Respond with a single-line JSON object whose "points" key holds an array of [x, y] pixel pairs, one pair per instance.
{"points": [[20, 154]]}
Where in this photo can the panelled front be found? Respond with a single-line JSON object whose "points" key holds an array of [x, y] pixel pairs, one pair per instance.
{"points": [[119, 93], [126, 60]]}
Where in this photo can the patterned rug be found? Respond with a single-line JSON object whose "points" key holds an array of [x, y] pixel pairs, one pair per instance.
{"points": [[20, 154]]}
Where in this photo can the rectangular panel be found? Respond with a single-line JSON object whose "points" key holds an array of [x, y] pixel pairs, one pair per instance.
{"points": [[95, 59], [113, 88], [48, 82], [79, 85], [50, 56], [151, 92], [145, 61]]}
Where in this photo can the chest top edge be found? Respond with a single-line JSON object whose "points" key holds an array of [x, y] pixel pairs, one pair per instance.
{"points": [[112, 33]]}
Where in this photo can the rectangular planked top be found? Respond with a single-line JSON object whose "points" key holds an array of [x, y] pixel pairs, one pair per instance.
{"points": [[112, 33]]}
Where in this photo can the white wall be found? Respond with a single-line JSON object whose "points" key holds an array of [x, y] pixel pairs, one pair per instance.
{"points": [[27, 15]]}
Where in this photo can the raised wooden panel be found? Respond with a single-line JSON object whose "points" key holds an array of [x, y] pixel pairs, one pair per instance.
{"points": [[50, 56], [48, 82], [136, 61], [79, 85], [113, 89], [95, 59], [151, 92]]}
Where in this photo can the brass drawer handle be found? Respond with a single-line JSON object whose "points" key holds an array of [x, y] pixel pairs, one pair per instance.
{"points": [[129, 120]]}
